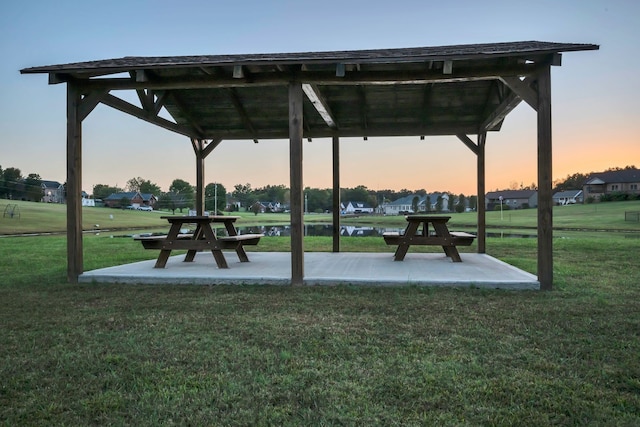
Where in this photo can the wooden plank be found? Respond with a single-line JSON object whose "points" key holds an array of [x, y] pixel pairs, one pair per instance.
{"points": [[335, 199], [125, 107], [75, 257], [199, 148], [242, 112], [523, 89], [468, 142], [320, 78], [320, 103], [481, 183], [296, 185], [545, 182]]}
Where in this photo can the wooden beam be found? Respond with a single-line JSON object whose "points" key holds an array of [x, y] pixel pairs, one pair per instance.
{"points": [[296, 184], [242, 112], [468, 142], [198, 147], [481, 183], [209, 148], [75, 257], [125, 107], [545, 182], [184, 110], [336, 193], [320, 103], [498, 115], [315, 77], [88, 103], [523, 89]]}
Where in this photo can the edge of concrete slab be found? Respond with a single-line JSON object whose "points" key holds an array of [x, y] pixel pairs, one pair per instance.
{"points": [[326, 269]]}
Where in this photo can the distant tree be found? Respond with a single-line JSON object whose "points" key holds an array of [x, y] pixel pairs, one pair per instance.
{"points": [[318, 199], [124, 202], [473, 202], [134, 184], [144, 186], [102, 191], [244, 194], [414, 204], [461, 205], [212, 192], [451, 203], [571, 182], [439, 203], [33, 187], [172, 201], [428, 204], [12, 178], [184, 193], [256, 208]]}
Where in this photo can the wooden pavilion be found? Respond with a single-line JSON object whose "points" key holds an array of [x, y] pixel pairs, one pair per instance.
{"points": [[457, 90]]}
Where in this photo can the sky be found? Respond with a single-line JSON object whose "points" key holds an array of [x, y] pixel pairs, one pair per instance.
{"points": [[595, 110]]}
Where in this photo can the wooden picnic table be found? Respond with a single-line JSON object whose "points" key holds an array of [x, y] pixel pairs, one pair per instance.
{"points": [[441, 236], [203, 238]]}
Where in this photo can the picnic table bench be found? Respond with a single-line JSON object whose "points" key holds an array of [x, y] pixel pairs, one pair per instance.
{"points": [[203, 238], [441, 236]]}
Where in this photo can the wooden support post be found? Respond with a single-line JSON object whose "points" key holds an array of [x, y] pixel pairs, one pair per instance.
{"points": [[198, 146], [296, 185], [482, 216], [336, 194], [545, 184], [75, 257]]}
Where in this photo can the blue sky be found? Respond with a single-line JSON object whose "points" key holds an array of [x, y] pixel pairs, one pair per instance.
{"points": [[596, 116]]}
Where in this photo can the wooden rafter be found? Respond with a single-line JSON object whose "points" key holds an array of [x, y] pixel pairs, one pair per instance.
{"points": [[125, 107], [523, 89], [315, 77], [320, 103], [242, 112]]}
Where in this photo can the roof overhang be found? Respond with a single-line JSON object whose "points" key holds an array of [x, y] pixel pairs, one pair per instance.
{"points": [[446, 90]]}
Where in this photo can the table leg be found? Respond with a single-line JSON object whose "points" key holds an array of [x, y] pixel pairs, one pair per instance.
{"points": [[403, 247], [451, 251], [163, 257], [197, 235], [231, 231], [207, 233]]}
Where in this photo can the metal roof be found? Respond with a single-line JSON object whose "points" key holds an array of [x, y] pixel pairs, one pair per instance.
{"points": [[444, 90]]}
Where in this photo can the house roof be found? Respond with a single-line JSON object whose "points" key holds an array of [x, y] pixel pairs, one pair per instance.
{"points": [[511, 194], [615, 177], [119, 196], [50, 184], [442, 90], [566, 194]]}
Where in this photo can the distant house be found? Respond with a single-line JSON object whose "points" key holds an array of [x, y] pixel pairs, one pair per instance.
{"points": [[135, 199], [268, 207], [568, 197], [626, 181], [86, 200], [401, 206], [52, 192], [428, 203], [355, 208], [514, 199]]}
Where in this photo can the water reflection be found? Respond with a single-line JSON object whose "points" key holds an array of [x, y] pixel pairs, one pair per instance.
{"points": [[353, 231]]}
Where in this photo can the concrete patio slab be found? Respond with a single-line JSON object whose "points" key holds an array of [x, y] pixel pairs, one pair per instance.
{"points": [[324, 268]]}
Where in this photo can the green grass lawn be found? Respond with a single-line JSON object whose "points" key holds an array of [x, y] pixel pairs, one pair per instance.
{"points": [[95, 354], [267, 355]]}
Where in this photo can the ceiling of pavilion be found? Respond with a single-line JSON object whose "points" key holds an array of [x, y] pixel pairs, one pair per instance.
{"points": [[446, 90]]}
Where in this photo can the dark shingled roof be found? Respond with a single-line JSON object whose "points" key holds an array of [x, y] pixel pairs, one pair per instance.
{"points": [[443, 90], [434, 53]]}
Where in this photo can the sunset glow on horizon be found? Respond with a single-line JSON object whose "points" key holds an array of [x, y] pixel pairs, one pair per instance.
{"points": [[595, 114]]}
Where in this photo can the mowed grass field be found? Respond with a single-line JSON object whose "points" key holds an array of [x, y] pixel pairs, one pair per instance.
{"points": [[263, 355]]}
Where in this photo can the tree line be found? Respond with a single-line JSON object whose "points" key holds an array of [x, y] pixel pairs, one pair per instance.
{"points": [[17, 187], [181, 194]]}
